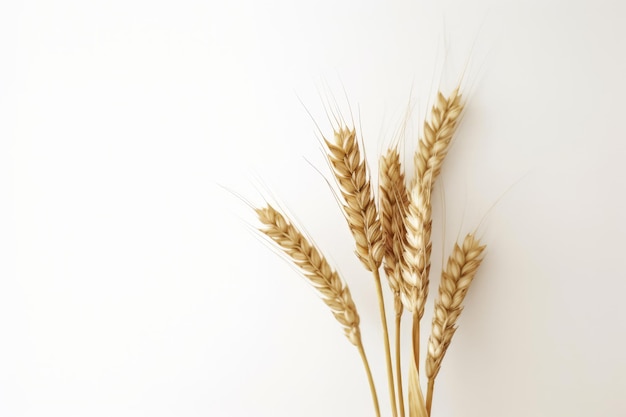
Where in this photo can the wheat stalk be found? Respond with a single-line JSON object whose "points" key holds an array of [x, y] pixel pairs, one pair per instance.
{"points": [[394, 200], [360, 211], [432, 149], [417, 407], [316, 269], [455, 281]]}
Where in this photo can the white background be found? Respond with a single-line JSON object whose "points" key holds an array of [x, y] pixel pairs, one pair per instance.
{"points": [[132, 283]]}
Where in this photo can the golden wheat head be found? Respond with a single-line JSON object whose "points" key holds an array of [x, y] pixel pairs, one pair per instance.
{"points": [[438, 132], [455, 281], [360, 210], [314, 267], [416, 258], [432, 149], [394, 201]]}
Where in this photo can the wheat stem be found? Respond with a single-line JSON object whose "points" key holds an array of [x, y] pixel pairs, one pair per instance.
{"points": [[416, 340], [399, 364], [393, 203], [417, 408], [352, 176], [432, 149], [429, 395], [383, 317], [370, 379]]}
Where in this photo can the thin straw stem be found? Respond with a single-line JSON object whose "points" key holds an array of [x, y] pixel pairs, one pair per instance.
{"points": [[416, 339], [429, 395], [399, 364], [370, 379], [383, 316]]}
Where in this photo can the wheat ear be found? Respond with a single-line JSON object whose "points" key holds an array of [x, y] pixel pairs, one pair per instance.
{"points": [[438, 133], [350, 170], [326, 281], [351, 173], [455, 281], [394, 200], [433, 147]]}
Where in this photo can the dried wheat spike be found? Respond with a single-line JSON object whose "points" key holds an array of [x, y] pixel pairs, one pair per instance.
{"points": [[438, 133], [455, 280], [359, 208], [394, 201], [314, 267], [416, 258], [433, 147]]}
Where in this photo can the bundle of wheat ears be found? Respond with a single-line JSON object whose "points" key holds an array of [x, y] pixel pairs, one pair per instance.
{"points": [[395, 233]]}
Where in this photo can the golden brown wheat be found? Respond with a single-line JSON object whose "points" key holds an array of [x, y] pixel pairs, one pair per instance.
{"points": [[314, 267], [433, 147], [394, 201], [399, 235], [455, 280], [438, 132], [393, 204], [360, 210], [416, 258]]}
